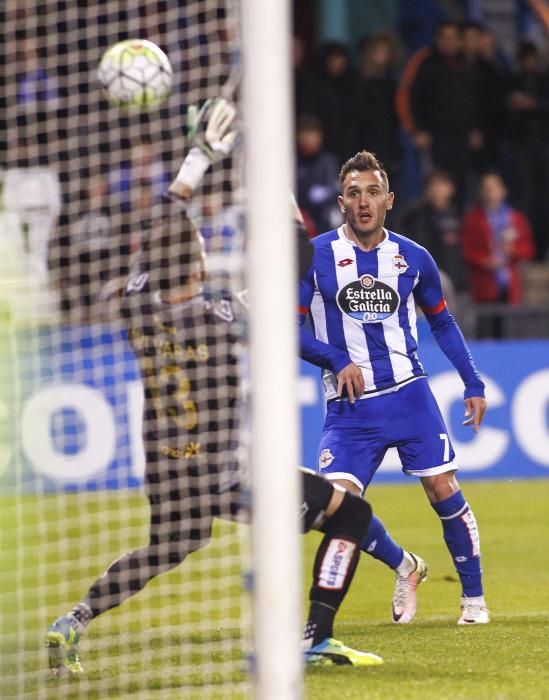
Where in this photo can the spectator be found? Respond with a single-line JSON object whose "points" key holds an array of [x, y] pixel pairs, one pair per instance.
{"points": [[434, 223], [414, 162], [471, 33], [220, 223], [140, 181], [496, 238], [37, 90], [317, 175], [445, 108], [529, 141], [336, 86], [418, 21], [376, 126], [305, 83], [92, 243], [492, 78]]}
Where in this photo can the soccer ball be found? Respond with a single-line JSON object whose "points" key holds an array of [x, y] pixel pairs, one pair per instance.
{"points": [[135, 73]]}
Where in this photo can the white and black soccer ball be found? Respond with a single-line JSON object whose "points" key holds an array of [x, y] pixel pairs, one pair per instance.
{"points": [[135, 73]]}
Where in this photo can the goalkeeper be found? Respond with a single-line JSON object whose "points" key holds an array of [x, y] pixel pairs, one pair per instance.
{"points": [[188, 349]]}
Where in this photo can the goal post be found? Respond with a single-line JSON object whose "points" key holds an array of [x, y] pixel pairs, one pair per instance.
{"points": [[272, 277], [81, 192]]}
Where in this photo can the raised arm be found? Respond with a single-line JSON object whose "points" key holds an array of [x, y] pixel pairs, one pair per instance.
{"points": [[211, 135]]}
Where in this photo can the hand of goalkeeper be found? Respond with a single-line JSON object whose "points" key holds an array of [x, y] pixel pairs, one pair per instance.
{"points": [[210, 139], [208, 128]]}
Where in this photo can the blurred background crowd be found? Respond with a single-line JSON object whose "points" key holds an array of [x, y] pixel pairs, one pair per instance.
{"points": [[451, 95], [453, 98]]}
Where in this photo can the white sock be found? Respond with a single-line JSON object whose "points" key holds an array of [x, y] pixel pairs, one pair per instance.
{"points": [[478, 600], [407, 566]]}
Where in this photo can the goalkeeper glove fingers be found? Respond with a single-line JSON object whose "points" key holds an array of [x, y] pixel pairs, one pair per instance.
{"points": [[210, 138], [209, 127]]}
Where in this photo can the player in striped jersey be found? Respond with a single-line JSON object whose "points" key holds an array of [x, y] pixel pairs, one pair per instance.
{"points": [[360, 293]]}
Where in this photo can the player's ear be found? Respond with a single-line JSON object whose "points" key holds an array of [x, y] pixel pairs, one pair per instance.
{"points": [[340, 202], [390, 199]]}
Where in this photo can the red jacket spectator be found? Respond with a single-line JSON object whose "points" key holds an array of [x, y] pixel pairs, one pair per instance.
{"points": [[495, 239]]}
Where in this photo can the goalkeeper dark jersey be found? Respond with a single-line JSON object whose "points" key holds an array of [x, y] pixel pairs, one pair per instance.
{"points": [[188, 358]]}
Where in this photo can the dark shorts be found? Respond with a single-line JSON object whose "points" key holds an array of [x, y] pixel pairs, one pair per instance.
{"points": [[186, 493], [316, 495], [184, 498]]}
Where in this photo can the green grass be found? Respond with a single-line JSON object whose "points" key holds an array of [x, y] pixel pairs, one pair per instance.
{"points": [[432, 658]]}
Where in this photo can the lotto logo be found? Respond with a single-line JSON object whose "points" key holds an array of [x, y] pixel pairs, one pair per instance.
{"points": [[345, 262]]}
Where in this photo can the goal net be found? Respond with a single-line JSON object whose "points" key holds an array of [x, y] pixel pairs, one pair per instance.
{"points": [[82, 184]]}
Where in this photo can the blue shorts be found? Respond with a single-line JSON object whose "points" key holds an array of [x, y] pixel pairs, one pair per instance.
{"points": [[356, 436]]}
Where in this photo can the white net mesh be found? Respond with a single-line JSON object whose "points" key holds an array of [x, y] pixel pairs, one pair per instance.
{"points": [[82, 185]]}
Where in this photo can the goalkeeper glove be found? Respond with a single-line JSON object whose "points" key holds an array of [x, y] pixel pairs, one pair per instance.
{"points": [[211, 139], [208, 128]]}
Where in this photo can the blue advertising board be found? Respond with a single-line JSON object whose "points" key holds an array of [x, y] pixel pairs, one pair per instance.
{"points": [[77, 413]]}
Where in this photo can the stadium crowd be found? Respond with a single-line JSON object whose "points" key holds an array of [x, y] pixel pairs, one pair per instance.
{"points": [[462, 128], [457, 112]]}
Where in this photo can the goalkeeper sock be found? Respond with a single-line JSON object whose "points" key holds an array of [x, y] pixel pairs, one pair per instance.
{"points": [[320, 624], [379, 544], [81, 616], [461, 536], [335, 564]]}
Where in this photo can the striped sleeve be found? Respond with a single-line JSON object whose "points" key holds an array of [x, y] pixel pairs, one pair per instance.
{"points": [[312, 350]]}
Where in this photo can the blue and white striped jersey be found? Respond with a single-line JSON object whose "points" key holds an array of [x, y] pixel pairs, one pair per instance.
{"points": [[362, 307]]}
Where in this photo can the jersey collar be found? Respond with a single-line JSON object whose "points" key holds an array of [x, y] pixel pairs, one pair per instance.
{"points": [[381, 244], [178, 305]]}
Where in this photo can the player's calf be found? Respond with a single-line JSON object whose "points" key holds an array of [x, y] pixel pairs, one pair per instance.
{"points": [[334, 567]]}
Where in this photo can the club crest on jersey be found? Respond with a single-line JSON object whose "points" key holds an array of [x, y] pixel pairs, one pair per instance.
{"points": [[368, 300], [223, 309], [136, 284], [325, 459], [399, 264]]}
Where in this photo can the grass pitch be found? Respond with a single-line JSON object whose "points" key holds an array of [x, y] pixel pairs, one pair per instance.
{"points": [[167, 627], [433, 657]]}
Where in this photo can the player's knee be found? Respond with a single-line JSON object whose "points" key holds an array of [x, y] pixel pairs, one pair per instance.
{"points": [[440, 486], [317, 493], [197, 534], [169, 549], [197, 542], [351, 518]]}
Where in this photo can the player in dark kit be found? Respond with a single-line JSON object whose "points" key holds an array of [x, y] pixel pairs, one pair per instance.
{"points": [[188, 346]]}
